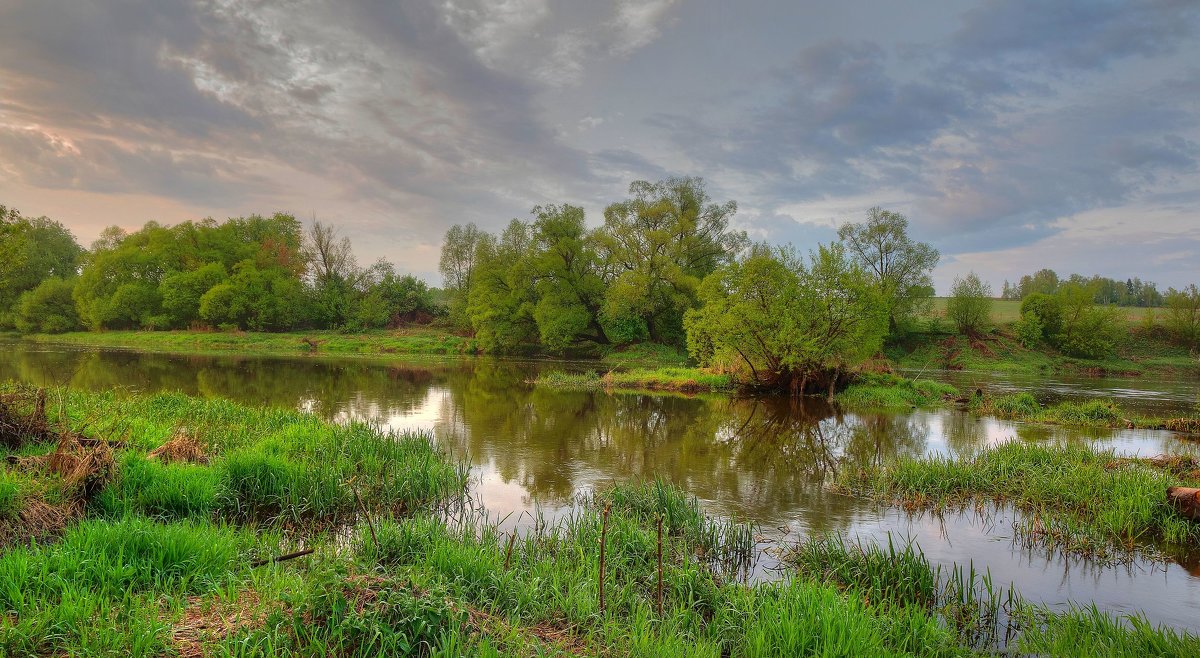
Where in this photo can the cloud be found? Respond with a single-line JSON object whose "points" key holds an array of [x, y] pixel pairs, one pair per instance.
{"points": [[638, 23]]}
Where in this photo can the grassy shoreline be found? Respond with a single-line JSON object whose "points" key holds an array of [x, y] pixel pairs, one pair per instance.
{"points": [[1077, 499], [150, 567]]}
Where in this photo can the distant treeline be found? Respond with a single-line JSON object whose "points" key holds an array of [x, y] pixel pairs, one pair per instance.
{"points": [[256, 273], [1105, 290]]}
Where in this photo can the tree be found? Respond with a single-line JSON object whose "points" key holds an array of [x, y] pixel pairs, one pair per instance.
{"points": [[48, 308], [1183, 314], [254, 299], [391, 300], [32, 250], [1043, 281], [1047, 309], [460, 255], [181, 292], [901, 267], [333, 274], [787, 325], [970, 305], [1087, 331], [657, 246], [501, 300], [567, 279]]}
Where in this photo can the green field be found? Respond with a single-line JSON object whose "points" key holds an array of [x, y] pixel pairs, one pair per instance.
{"points": [[1005, 311]]}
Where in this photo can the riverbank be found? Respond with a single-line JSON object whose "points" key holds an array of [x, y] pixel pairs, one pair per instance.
{"points": [[180, 543], [1137, 355]]}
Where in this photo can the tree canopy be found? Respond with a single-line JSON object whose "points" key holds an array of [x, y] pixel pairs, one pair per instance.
{"points": [[901, 267]]}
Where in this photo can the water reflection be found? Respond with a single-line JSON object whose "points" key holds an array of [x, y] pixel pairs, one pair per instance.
{"points": [[760, 460]]}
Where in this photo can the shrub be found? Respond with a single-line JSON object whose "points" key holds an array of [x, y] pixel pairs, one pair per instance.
{"points": [[970, 304], [1048, 309], [48, 308], [1029, 329]]}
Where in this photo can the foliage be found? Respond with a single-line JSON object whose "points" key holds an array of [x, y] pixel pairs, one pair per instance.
{"points": [[900, 266], [1183, 314], [181, 292], [1029, 330], [1130, 292], [260, 300], [31, 250], [657, 246], [460, 255], [1047, 309], [787, 324], [970, 305], [1087, 331], [49, 308]]}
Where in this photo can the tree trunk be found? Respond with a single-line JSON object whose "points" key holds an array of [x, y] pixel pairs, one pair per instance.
{"points": [[1186, 501]]}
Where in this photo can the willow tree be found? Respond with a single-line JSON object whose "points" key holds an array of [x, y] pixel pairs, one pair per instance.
{"points": [[787, 324], [658, 246]]}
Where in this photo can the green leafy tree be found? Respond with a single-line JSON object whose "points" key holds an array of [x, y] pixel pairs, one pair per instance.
{"points": [[501, 300], [31, 251], [1047, 309], [970, 305], [1183, 314], [181, 292], [787, 325], [568, 279], [391, 299], [901, 266], [656, 247], [254, 299], [460, 256], [1044, 281], [48, 308], [1088, 331]]}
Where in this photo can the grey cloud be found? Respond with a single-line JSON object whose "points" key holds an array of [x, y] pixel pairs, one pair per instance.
{"points": [[1080, 34]]}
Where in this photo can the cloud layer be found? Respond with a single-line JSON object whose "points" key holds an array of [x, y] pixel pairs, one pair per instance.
{"points": [[1002, 128]]}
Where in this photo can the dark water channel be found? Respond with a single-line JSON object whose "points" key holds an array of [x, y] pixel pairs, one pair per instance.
{"points": [[534, 450]]}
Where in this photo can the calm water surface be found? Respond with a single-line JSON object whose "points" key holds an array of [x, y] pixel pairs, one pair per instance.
{"points": [[533, 451]]}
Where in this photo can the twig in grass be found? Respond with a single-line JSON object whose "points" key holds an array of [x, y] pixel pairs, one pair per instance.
{"points": [[362, 508], [603, 543], [512, 539], [660, 569], [282, 558]]}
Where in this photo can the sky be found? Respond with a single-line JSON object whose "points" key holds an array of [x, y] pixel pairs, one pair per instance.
{"points": [[1014, 135]]}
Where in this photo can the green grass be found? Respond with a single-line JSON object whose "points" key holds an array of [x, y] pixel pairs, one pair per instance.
{"points": [[882, 391], [687, 380], [1090, 413], [1136, 353], [162, 565], [1076, 499], [1006, 311], [417, 340]]}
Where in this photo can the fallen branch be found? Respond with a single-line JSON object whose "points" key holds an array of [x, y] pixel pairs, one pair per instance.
{"points": [[282, 558]]}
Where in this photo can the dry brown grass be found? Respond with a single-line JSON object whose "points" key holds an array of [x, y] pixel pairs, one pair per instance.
{"points": [[181, 448]]}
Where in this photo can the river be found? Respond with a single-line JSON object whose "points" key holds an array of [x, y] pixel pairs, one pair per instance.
{"points": [[534, 450]]}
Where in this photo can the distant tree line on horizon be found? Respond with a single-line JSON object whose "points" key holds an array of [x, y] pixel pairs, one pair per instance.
{"points": [[1105, 290]]}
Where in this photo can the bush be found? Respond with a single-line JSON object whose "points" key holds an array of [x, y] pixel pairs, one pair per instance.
{"points": [[1048, 309], [1183, 314], [48, 308], [1029, 330], [1090, 334], [970, 305]]}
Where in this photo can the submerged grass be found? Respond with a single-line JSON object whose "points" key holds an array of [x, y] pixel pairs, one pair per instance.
{"points": [[1074, 498], [886, 391]]}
